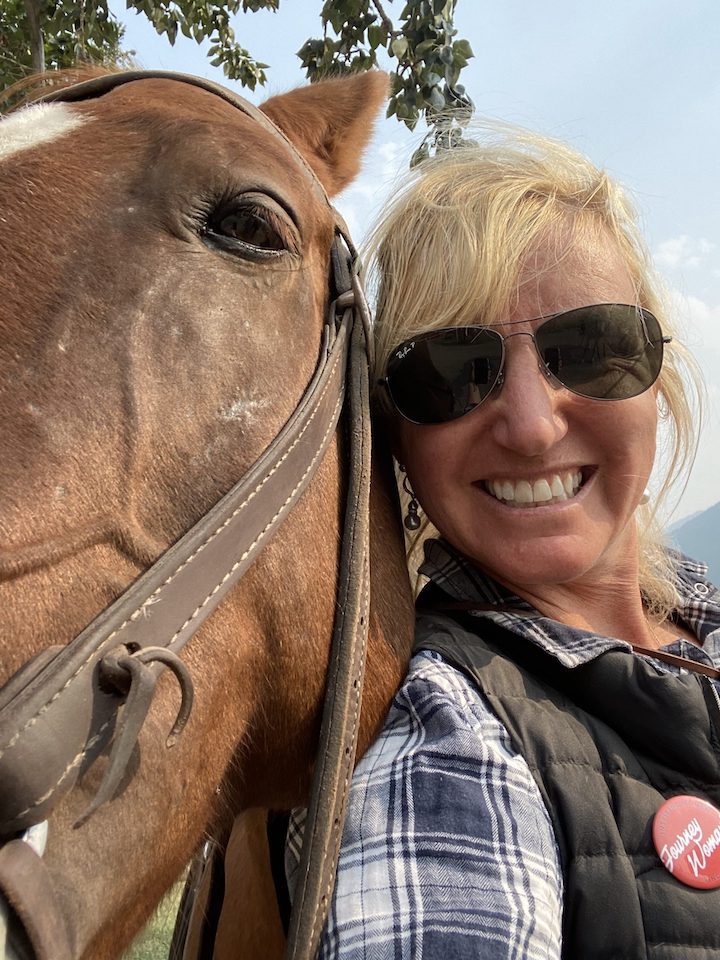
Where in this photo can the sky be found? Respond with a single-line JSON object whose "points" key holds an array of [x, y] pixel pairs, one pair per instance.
{"points": [[634, 84]]}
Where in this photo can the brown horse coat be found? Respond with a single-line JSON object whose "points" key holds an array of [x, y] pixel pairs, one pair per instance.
{"points": [[164, 281]]}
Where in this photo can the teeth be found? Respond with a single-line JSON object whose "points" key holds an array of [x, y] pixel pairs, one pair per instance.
{"points": [[558, 488], [541, 491], [523, 492], [551, 489]]}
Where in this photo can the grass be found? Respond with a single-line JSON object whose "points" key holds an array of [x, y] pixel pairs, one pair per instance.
{"points": [[153, 942]]}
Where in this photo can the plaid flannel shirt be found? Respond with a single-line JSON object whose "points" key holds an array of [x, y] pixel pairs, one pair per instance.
{"points": [[448, 851]]}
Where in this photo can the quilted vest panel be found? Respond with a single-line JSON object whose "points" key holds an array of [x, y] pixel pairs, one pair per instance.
{"points": [[607, 743]]}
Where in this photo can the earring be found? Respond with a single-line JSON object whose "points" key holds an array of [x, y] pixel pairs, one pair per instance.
{"points": [[645, 498], [411, 519]]}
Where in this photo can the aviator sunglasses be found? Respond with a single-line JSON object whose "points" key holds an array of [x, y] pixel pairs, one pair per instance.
{"points": [[606, 351]]}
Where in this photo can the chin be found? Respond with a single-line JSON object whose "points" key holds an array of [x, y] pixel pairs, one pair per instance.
{"points": [[533, 565]]}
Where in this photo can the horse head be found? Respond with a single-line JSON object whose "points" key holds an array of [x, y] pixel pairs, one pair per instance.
{"points": [[164, 289]]}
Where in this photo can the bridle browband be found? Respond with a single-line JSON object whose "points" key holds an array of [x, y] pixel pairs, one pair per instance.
{"points": [[60, 711]]}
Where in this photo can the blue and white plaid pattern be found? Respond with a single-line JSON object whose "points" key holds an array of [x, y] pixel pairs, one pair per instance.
{"points": [[436, 861]]}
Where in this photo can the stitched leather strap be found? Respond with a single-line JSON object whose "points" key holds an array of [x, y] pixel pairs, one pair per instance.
{"points": [[163, 608], [338, 735], [683, 663]]}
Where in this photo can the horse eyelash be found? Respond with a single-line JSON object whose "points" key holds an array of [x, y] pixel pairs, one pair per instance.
{"points": [[207, 211]]}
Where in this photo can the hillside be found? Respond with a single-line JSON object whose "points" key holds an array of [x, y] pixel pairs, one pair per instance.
{"points": [[699, 538]]}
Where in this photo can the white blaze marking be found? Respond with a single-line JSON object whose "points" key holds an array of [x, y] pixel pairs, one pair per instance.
{"points": [[242, 409], [36, 124]]}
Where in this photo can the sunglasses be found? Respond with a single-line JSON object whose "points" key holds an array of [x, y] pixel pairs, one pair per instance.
{"points": [[606, 351]]}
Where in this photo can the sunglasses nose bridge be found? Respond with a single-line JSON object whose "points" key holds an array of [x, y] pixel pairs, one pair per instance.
{"points": [[527, 333], [542, 364]]}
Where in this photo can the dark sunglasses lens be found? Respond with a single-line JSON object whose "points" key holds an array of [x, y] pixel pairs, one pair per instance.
{"points": [[609, 351], [442, 375]]}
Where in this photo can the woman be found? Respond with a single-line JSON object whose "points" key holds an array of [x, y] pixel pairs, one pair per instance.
{"points": [[513, 803]]}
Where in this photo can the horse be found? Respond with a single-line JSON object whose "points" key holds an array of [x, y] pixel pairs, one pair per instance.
{"points": [[162, 299]]}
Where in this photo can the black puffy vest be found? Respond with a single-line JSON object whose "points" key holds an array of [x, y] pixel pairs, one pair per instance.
{"points": [[606, 742]]}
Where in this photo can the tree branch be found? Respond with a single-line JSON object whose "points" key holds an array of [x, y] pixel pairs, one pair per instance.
{"points": [[385, 19], [37, 43], [12, 61]]}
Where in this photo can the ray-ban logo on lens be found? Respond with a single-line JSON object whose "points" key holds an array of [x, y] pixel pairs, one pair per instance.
{"points": [[401, 354]]}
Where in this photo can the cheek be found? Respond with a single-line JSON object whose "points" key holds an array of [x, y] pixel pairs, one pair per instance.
{"points": [[624, 442], [433, 457], [423, 477], [635, 427], [430, 451]]}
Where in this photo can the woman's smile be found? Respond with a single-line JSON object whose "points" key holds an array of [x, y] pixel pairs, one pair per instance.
{"points": [[556, 486]]}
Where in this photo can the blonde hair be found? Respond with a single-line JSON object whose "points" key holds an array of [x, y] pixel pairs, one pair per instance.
{"points": [[449, 251]]}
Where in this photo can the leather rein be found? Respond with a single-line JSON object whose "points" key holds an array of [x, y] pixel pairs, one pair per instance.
{"points": [[69, 704]]}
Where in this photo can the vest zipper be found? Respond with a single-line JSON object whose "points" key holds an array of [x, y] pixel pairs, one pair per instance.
{"points": [[713, 705]]}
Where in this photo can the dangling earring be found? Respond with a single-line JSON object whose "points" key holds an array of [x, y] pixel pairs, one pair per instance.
{"points": [[645, 498], [411, 519]]}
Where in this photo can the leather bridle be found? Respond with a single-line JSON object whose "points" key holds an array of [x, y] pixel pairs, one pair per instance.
{"points": [[64, 708]]}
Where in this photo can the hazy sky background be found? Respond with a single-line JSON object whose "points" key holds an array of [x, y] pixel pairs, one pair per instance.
{"points": [[634, 84]]}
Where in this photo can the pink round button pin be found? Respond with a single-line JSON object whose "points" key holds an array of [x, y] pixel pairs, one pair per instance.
{"points": [[686, 834]]}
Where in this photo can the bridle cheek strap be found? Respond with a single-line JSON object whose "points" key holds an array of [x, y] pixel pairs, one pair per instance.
{"points": [[338, 735]]}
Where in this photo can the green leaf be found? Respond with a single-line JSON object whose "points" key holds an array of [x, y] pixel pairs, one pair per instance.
{"points": [[424, 47], [436, 99], [452, 74], [399, 47], [336, 19], [377, 37], [463, 48]]}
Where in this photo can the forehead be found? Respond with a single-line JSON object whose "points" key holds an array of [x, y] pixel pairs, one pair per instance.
{"points": [[564, 271], [38, 124], [161, 139], [196, 113]]}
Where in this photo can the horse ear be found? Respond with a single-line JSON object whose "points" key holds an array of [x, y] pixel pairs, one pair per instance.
{"points": [[330, 123]]}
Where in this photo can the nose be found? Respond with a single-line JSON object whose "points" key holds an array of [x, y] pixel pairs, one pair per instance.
{"points": [[528, 412]]}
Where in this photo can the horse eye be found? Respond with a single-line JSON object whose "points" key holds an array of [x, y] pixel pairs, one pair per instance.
{"points": [[250, 228]]}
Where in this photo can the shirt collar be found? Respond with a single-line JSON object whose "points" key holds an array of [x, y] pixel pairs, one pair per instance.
{"points": [[461, 580]]}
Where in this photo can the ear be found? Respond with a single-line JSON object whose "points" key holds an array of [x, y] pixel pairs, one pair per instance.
{"points": [[330, 123]]}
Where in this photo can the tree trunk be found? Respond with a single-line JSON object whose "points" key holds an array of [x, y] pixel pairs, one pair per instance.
{"points": [[37, 43]]}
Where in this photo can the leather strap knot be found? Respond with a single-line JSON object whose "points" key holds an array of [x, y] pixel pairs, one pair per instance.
{"points": [[133, 675]]}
